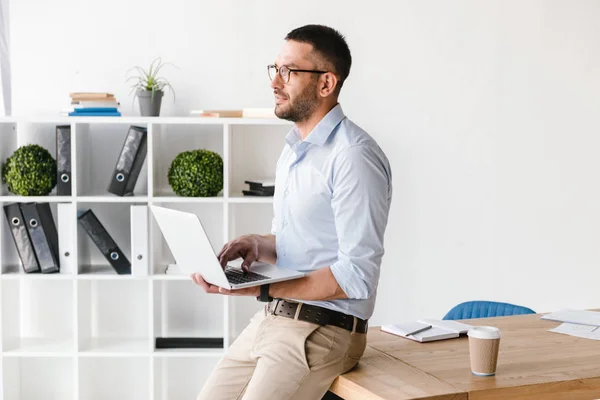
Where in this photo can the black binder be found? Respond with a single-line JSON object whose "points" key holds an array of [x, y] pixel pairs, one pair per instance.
{"points": [[130, 162], [105, 243], [21, 238], [188, 343], [43, 235], [63, 160], [258, 188]]}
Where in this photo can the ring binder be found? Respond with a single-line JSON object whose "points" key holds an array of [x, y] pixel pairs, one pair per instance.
{"points": [[63, 160], [130, 162], [139, 240], [21, 238], [66, 237], [105, 243], [43, 235]]}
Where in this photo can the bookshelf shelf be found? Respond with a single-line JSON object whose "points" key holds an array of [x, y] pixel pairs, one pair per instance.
{"points": [[117, 345], [58, 345], [41, 199], [112, 199], [165, 353], [15, 275], [165, 277], [88, 332], [173, 199], [251, 200]]}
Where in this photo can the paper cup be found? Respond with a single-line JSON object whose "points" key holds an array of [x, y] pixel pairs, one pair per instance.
{"points": [[484, 343]]}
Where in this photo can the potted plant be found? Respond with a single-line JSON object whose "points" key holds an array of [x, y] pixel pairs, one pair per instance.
{"points": [[149, 88], [30, 171], [196, 173]]}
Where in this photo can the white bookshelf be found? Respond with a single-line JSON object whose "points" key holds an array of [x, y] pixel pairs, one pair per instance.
{"points": [[88, 333]]}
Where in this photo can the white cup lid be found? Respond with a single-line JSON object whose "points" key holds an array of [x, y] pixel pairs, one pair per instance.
{"points": [[484, 332]]}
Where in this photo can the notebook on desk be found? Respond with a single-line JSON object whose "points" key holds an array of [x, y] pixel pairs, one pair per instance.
{"points": [[427, 330]]}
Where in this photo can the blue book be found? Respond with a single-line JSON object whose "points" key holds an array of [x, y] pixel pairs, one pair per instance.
{"points": [[95, 109], [95, 114]]}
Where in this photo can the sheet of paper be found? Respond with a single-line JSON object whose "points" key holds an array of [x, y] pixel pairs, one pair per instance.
{"points": [[581, 317], [582, 331]]}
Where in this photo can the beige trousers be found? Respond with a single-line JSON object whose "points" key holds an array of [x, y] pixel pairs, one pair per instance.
{"points": [[279, 358]]}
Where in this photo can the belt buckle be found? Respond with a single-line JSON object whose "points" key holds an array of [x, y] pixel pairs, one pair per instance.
{"points": [[272, 306]]}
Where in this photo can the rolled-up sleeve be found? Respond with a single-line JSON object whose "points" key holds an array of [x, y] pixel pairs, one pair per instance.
{"points": [[361, 196]]}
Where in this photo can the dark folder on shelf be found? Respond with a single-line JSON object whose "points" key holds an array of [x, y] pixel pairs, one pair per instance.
{"points": [[21, 238], [105, 243], [63, 160], [260, 187], [188, 343], [43, 235], [130, 162]]}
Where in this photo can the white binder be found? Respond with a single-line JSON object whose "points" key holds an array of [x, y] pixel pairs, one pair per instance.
{"points": [[67, 226], [139, 241]]}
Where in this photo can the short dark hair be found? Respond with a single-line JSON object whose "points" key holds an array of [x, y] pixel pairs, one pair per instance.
{"points": [[329, 44]]}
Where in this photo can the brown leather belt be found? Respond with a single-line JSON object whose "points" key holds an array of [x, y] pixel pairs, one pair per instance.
{"points": [[317, 315]]}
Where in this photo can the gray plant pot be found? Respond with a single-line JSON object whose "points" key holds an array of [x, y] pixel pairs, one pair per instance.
{"points": [[149, 107]]}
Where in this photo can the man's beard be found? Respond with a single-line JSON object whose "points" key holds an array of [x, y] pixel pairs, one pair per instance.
{"points": [[301, 108]]}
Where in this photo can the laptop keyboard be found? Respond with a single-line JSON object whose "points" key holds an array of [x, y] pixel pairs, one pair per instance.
{"points": [[236, 276]]}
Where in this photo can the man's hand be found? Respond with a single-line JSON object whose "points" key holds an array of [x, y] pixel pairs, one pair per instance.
{"points": [[208, 288], [251, 248]]}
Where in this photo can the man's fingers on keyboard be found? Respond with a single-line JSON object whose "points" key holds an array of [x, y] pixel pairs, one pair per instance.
{"points": [[224, 249], [232, 252], [248, 260]]}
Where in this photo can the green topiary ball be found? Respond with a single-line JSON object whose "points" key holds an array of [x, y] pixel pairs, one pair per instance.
{"points": [[30, 171], [196, 173]]}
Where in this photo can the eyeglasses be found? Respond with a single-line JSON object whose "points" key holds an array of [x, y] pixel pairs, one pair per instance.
{"points": [[284, 72]]}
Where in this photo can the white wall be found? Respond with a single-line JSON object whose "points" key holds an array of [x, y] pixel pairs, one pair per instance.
{"points": [[488, 111]]}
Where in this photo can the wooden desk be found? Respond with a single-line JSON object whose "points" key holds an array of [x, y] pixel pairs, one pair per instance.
{"points": [[532, 364]]}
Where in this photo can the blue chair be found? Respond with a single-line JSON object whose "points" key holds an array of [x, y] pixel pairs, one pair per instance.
{"points": [[485, 309]]}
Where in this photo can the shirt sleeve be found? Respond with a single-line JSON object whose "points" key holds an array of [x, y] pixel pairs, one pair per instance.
{"points": [[274, 227], [361, 196]]}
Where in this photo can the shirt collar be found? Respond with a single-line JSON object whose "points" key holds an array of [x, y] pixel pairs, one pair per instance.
{"points": [[321, 131]]}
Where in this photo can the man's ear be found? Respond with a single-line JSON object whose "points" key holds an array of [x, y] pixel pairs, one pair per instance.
{"points": [[328, 84]]}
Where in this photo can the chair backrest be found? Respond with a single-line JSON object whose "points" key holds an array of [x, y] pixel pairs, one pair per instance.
{"points": [[485, 309]]}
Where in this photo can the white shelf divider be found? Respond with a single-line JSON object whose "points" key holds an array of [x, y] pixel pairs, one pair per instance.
{"points": [[226, 177]]}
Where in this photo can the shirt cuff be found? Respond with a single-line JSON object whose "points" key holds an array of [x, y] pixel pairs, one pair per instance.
{"points": [[350, 279]]}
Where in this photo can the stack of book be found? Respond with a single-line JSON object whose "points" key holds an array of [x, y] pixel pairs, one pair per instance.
{"points": [[173, 269], [260, 187], [236, 113], [92, 104]]}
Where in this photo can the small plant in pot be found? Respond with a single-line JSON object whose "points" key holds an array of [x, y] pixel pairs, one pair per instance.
{"points": [[149, 88]]}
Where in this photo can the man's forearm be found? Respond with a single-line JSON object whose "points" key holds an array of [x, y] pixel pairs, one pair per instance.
{"points": [[267, 251], [318, 285]]}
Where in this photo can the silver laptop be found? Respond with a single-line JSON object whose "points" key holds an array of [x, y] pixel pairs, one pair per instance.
{"points": [[193, 253]]}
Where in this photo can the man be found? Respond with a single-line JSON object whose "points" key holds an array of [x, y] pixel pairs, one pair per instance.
{"points": [[332, 197]]}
